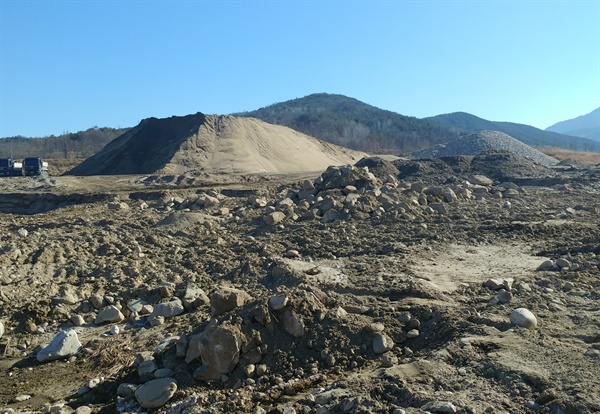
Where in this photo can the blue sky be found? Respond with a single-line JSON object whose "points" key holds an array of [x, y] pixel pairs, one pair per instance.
{"points": [[71, 65]]}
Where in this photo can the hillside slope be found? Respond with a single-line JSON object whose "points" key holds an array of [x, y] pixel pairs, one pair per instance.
{"points": [[586, 126], [353, 124], [215, 144], [529, 135]]}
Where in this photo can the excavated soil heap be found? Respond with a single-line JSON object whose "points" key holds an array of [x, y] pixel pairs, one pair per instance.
{"points": [[213, 144]]}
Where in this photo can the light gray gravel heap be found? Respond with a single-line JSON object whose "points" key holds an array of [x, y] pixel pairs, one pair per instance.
{"points": [[482, 141]]}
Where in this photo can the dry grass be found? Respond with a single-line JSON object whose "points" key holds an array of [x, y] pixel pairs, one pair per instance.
{"points": [[112, 355], [588, 158]]}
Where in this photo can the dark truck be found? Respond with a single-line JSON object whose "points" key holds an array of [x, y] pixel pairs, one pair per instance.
{"points": [[34, 166], [6, 167]]}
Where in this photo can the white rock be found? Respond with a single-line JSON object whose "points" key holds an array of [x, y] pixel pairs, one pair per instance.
{"points": [[1, 329], [524, 318], [278, 302], [155, 393], [109, 314], [64, 345], [439, 407]]}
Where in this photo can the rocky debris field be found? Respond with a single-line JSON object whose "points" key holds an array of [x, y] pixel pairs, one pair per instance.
{"points": [[407, 287]]}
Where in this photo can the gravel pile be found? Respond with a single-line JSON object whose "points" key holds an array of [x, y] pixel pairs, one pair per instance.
{"points": [[483, 141]]}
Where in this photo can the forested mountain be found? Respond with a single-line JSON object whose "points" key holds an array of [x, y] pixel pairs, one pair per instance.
{"points": [[354, 124], [461, 121], [80, 144], [586, 126]]}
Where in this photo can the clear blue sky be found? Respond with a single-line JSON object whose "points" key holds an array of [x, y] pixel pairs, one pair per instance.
{"points": [[71, 65]]}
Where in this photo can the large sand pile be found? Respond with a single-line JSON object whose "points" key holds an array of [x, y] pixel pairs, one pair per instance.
{"points": [[214, 144]]}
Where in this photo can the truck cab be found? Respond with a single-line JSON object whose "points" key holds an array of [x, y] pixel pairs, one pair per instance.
{"points": [[34, 166], [6, 167]]}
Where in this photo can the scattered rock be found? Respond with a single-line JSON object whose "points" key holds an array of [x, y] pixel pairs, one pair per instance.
{"points": [[226, 299], [382, 343], [110, 314], [524, 318], [64, 345], [219, 348], [155, 393]]}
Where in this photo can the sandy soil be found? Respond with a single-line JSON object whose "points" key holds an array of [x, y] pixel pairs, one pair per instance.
{"points": [[345, 280]]}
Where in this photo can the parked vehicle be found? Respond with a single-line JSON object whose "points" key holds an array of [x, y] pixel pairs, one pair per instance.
{"points": [[34, 166], [6, 167]]}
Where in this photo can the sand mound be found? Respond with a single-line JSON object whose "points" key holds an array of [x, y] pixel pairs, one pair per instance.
{"points": [[484, 141], [215, 144]]}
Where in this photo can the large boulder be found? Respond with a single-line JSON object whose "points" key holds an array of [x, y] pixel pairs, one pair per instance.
{"points": [[64, 345], [219, 348]]}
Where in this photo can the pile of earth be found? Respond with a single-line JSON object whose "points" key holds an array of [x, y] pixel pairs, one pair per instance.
{"points": [[497, 165], [214, 144], [484, 141]]}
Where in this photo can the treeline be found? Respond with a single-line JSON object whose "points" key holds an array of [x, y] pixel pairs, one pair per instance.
{"points": [[82, 144], [353, 124]]}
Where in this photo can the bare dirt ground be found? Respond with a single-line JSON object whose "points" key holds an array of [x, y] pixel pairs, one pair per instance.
{"points": [[383, 268]]}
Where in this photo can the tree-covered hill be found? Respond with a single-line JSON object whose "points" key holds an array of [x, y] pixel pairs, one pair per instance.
{"points": [[461, 121], [80, 144], [354, 124]]}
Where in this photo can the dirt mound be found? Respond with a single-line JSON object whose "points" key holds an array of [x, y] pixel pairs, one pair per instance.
{"points": [[212, 143], [484, 141]]}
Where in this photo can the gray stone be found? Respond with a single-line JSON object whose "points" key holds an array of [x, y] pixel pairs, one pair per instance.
{"points": [[167, 309], [563, 263], [155, 393], [292, 323], [219, 348], [546, 265], [226, 299], [439, 407], [1, 329], [413, 333], [64, 345], [504, 296], [480, 180], [110, 314], [77, 320], [274, 218], [497, 284], [163, 373], [194, 297], [524, 318], [126, 389], [382, 343], [439, 207], [278, 302], [146, 370], [449, 195], [330, 216]]}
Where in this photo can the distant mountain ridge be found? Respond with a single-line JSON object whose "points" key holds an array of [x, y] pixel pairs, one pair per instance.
{"points": [[462, 121], [353, 124], [585, 126]]}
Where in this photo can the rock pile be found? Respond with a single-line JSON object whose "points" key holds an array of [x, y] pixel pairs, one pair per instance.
{"points": [[347, 192], [484, 141]]}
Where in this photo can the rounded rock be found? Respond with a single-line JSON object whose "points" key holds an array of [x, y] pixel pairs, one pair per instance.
{"points": [[155, 393], [524, 318]]}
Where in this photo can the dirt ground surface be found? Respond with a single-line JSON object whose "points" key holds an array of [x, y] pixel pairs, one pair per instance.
{"points": [[374, 290]]}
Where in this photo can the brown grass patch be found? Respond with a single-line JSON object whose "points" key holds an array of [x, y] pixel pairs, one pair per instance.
{"points": [[588, 158], [112, 355]]}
